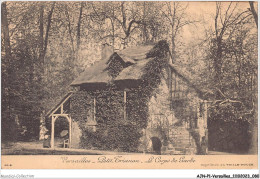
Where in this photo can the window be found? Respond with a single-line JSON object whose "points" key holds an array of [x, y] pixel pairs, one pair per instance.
{"points": [[201, 110], [178, 87]]}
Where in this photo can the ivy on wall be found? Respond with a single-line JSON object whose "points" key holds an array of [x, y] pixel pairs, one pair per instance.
{"points": [[113, 132]]}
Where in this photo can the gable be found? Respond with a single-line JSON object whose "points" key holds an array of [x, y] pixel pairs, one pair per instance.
{"points": [[94, 74], [133, 72], [185, 78], [129, 64], [108, 69], [116, 64]]}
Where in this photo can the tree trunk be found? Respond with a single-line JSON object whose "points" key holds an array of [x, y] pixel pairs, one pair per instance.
{"points": [[145, 35], [41, 28], [218, 65], [79, 25], [48, 29], [254, 124], [8, 55], [252, 9], [43, 46], [44, 41], [7, 117], [254, 129], [173, 49], [6, 32], [70, 32]]}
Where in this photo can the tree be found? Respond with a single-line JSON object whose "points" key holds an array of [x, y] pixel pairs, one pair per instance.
{"points": [[225, 24], [176, 17], [29, 45], [54, 41], [44, 40], [152, 27], [79, 24], [121, 15], [252, 9], [6, 72], [254, 143], [233, 58]]}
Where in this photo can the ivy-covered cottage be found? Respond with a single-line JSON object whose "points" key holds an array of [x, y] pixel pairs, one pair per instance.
{"points": [[133, 100]]}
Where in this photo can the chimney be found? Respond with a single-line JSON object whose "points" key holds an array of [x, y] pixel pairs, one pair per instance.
{"points": [[106, 51]]}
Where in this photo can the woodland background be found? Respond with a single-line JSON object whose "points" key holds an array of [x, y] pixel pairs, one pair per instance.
{"points": [[45, 45]]}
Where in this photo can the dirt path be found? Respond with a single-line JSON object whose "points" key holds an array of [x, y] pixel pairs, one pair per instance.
{"points": [[36, 148]]}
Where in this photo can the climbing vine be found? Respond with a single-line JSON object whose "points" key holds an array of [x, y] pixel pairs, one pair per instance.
{"points": [[113, 132]]}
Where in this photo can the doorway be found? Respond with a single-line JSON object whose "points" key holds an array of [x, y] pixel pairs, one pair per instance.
{"points": [[157, 144]]}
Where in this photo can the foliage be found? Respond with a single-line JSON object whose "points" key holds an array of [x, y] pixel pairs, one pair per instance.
{"points": [[116, 65], [112, 130], [227, 131], [232, 60], [54, 49], [223, 62], [24, 90]]}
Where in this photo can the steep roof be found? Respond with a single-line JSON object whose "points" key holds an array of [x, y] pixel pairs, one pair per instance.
{"points": [[133, 72], [136, 58], [98, 73], [135, 53]]}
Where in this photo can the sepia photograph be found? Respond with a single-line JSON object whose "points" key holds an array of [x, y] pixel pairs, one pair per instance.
{"points": [[162, 83]]}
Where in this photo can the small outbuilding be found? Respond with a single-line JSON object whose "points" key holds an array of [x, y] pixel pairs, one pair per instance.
{"points": [[134, 100]]}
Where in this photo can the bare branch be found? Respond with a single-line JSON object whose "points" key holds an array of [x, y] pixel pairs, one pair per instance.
{"points": [[69, 26]]}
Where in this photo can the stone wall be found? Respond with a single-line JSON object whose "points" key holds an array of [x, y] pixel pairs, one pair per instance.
{"points": [[75, 135], [171, 126], [145, 119]]}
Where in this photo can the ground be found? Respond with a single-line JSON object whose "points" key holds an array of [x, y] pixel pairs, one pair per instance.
{"points": [[36, 148]]}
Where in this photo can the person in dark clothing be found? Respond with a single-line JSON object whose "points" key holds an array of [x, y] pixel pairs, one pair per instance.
{"points": [[46, 142]]}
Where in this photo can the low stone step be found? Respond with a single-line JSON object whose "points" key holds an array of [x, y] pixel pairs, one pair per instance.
{"points": [[180, 134], [179, 148], [181, 144], [179, 131], [174, 152], [180, 138]]}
